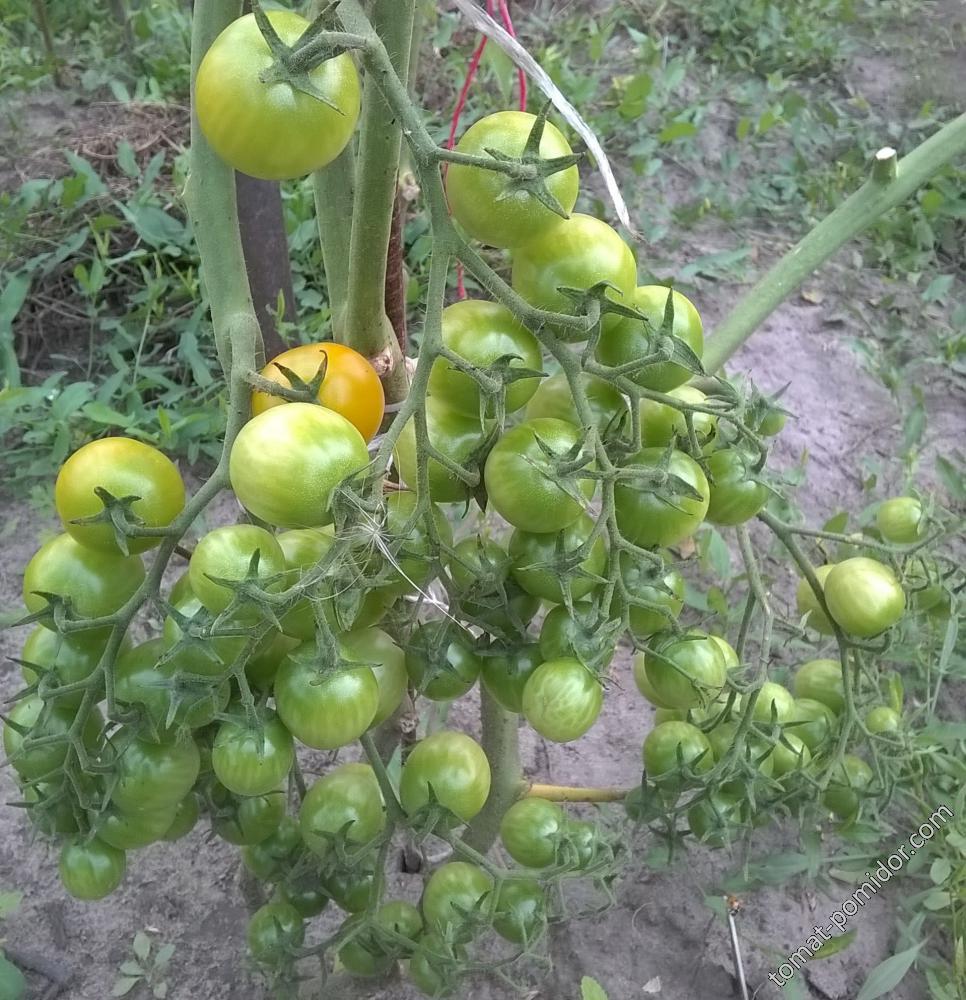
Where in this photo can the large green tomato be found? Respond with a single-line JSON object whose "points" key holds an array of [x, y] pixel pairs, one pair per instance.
{"points": [[661, 423], [629, 340], [451, 764], [578, 253], [663, 745], [94, 583], [487, 203], [154, 775], [562, 700], [453, 893], [344, 804], [506, 672], [453, 434], [821, 680], [483, 333], [685, 671], [286, 463], [520, 477], [266, 128], [92, 869], [376, 649], [252, 761], [535, 555], [167, 700], [661, 596], [441, 660], [735, 495], [900, 520], [863, 596], [647, 519], [226, 553], [125, 468], [530, 831], [324, 708], [808, 603], [42, 721], [554, 398]]}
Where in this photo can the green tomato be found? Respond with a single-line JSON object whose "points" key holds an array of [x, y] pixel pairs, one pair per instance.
{"points": [[812, 721], [349, 889], [883, 719], [579, 253], [307, 900], [128, 831], [735, 496], [453, 434], [344, 804], [92, 869], [631, 339], [808, 604], [661, 596], [154, 775], [647, 518], [272, 857], [863, 596], [483, 334], [288, 461], [196, 655], [774, 701], [252, 760], [270, 129], [562, 700], [554, 398], [361, 955], [325, 709], [505, 674], [644, 685], [249, 819], [663, 745], [727, 651], [410, 544], [487, 203], [685, 671], [435, 966], [821, 680], [718, 819], [519, 476], [576, 636], [790, 754], [67, 660], [274, 932], [530, 831], [849, 779], [226, 553], [542, 564], [454, 767], [662, 423], [441, 660], [94, 583], [43, 721], [375, 649], [900, 520], [453, 893], [185, 817], [520, 914]]}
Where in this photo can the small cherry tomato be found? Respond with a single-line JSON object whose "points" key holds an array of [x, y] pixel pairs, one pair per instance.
{"points": [[125, 468], [883, 719], [790, 754], [226, 554], [441, 660], [554, 398], [129, 831], [520, 476], [577, 635], [562, 700], [482, 334], [272, 857], [685, 671], [735, 496], [662, 423], [661, 596], [375, 649], [530, 831], [812, 721], [821, 680], [274, 932], [487, 203], [454, 767], [42, 721], [252, 760], [505, 674], [631, 340], [808, 603], [774, 702], [665, 743], [409, 544], [520, 914], [246, 819], [154, 775], [343, 805], [91, 869], [863, 596], [849, 779], [543, 563], [351, 386], [900, 520], [453, 894]]}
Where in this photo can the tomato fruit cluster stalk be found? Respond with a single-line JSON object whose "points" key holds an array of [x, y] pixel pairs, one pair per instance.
{"points": [[559, 406]]}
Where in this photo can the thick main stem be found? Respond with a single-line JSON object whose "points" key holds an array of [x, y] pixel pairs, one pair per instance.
{"points": [[884, 190], [501, 743], [365, 325]]}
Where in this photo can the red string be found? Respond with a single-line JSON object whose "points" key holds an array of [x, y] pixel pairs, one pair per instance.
{"points": [[471, 72]]}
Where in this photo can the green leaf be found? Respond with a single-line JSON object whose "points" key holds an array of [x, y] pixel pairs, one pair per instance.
{"points": [[835, 945], [164, 955], [938, 288], [634, 101], [590, 989], [124, 985], [130, 968], [888, 974], [677, 130], [938, 899], [9, 903], [102, 414], [13, 986], [940, 870], [837, 524], [743, 128], [160, 990], [126, 160], [142, 945]]}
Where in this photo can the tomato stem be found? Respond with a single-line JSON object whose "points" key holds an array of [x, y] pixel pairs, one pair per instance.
{"points": [[574, 793]]}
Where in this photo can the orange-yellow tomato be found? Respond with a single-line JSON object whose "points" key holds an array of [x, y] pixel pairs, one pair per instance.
{"points": [[351, 386]]}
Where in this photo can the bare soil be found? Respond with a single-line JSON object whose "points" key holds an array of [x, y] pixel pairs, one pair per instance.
{"points": [[660, 929]]}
